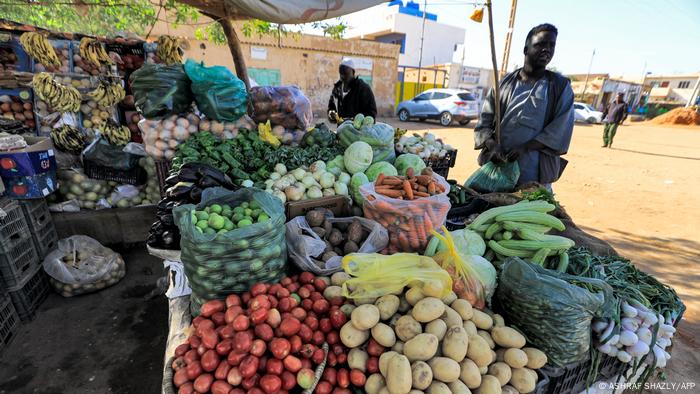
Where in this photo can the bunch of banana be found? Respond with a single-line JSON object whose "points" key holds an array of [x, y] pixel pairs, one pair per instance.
{"points": [[169, 50], [93, 52], [39, 47], [59, 97], [108, 94], [116, 134], [69, 139]]}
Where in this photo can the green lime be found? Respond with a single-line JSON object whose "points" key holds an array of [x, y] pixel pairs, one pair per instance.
{"points": [[207, 209], [226, 212], [237, 217], [254, 205], [201, 215], [263, 218], [223, 230], [256, 213], [200, 230], [248, 211], [216, 208], [225, 207], [216, 222], [244, 205], [202, 224], [245, 222], [228, 225], [209, 230], [238, 210]]}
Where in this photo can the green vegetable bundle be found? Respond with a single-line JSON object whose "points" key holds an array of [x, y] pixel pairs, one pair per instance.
{"points": [[217, 264], [551, 309]]}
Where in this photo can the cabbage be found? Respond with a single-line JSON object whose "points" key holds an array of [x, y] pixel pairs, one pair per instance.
{"points": [[484, 272], [380, 167], [409, 160], [356, 181], [357, 157], [336, 166], [466, 242]]}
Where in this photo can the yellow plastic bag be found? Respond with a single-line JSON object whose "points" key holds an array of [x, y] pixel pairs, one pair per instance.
{"points": [[473, 277], [375, 275], [265, 134]]}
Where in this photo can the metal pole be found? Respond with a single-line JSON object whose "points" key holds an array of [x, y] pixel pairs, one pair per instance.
{"points": [[585, 84], [422, 35], [509, 36], [496, 88]]}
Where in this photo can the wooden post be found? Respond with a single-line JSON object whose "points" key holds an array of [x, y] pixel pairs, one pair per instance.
{"points": [[234, 46], [496, 88]]}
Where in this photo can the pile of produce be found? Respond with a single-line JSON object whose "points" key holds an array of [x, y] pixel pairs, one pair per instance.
{"points": [[152, 188], [10, 126], [379, 136], [409, 207], [226, 130], [161, 137], [75, 185], [285, 106], [458, 195], [107, 94], [427, 147], [160, 91], [306, 183], [83, 260], [12, 107], [91, 57], [183, 187], [12, 142], [168, 49], [519, 230], [69, 139], [318, 241], [223, 218], [57, 96], [93, 115], [417, 342], [50, 58]]}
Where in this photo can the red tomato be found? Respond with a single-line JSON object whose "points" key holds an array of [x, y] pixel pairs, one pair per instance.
{"points": [[357, 378], [292, 364], [333, 338], [234, 359], [187, 388], [289, 381], [323, 388], [218, 318], [227, 332], [191, 356], [210, 360], [330, 375], [250, 382], [280, 348], [220, 387], [234, 377], [258, 348], [222, 370], [232, 300], [273, 318], [306, 277], [290, 326], [337, 318], [248, 366], [343, 378], [180, 377], [325, 325], [318, 356], [274, 366], [318, 338], [211, 307], [231, 313], [203, 382], [182, 349], [242, 342], [224, 347], [258, 288], [194, 370], [270, 384], [311, 322], [296, 344], [210, 338], [305, 333], [241, 323]]}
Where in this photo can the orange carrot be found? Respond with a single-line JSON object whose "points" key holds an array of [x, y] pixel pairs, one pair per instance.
{"points": [[421, 194], [409, 172], [420, 230], [392, 180], [428, 223], [391, 193], [403, 241], [431, 188], [408, 190], [379, 180]]}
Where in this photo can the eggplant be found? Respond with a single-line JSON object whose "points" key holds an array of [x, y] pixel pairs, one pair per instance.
{"points": [[173, 180], [180, 191], [171, 240], [195, 194], [167, 220], [207, 182]]}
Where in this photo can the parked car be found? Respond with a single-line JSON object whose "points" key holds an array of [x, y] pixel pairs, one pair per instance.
{"points": [[445, 105], [585, 113]]}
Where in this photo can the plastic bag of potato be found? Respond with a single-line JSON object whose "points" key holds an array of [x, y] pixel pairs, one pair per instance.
{"points": [[82, 265]]}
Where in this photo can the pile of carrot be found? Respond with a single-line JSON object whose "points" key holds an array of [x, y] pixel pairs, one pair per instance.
{"points": [[408, 222]]}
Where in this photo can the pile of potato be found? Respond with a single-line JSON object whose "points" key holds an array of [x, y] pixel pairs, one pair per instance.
{"points": [[79, 261], [161, 136], [436, 346]]}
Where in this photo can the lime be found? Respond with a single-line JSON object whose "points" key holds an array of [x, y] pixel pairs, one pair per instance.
{"points": [[200, 230], [244, 205], [256, 213], [209, 230], [223, 230], [194, 217], [201, 215], [263, 218], [238, 210], [202, 224], [228, 225], [225, 207], [245, 222], [216, 208], [237, 217], [226, 212], [254, 205], [248, 211], [216, 221], [207, 209]]}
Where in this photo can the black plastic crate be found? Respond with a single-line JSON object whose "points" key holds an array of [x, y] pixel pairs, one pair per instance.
{"points": [[9, 321], [36, 212], [45, 240], [571, 379], [457, 215], [29, 295], [13, 226], [135, 176], [18, 262]]}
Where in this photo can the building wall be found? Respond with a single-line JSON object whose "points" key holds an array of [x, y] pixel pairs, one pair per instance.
{"points": [[310, 62]]}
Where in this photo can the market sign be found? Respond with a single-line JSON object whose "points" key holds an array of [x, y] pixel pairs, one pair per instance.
{"points": [[259, 53], [471, 75]]}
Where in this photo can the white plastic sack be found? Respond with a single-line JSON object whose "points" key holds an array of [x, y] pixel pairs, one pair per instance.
{"points": [[178, 285], [294, 11], [303, 244], [80, 264]]}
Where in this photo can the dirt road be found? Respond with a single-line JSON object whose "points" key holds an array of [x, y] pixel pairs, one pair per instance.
{"points": [[642, 196]]}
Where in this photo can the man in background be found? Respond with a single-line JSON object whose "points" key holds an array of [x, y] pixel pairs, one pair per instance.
{"points": [[537, 117], [351, 95], [615, 113]]}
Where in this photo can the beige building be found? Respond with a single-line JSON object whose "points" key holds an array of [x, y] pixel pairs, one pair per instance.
{"points": [[673, 89], [601, 89], [307, 61]]}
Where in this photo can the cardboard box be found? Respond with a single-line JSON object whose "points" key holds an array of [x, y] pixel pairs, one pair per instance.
{"points": [[339, 205], [30, 172]]}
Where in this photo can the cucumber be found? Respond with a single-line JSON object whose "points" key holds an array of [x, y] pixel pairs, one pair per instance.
{"points": [[431, 249]]}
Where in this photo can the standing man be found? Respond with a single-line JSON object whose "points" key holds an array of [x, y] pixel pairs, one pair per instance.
{"points": [[537, 117], [615, 113], [350, 95]]}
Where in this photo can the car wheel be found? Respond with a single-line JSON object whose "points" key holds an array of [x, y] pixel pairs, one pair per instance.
{"points": [[445, 118], [464, 122], [590, 120], [404, 115]]}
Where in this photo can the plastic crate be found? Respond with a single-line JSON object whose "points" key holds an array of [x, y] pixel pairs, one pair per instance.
{"points": [[442, 166], [12, 56], [19, 98], [13, 225], [162, 172], [9, 321], [571, 379], [135, 176], [27, 297], [36, 212], [18, 263], [458, 215]]}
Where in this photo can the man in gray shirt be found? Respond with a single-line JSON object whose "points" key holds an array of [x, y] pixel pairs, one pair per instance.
{"points": [[615, 113], [537, 117]]}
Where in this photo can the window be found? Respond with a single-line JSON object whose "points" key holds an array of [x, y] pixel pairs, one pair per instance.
{"points": [[664, 84], [654, 84], [422, 97], [683, 84], [578, 106], [466, 96], [440, 96]]}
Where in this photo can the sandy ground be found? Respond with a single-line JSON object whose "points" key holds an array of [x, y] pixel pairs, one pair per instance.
{"points": [[642, 196]]}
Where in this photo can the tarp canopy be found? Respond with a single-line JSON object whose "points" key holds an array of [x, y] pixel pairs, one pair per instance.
{"points": [[281, 11]]}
